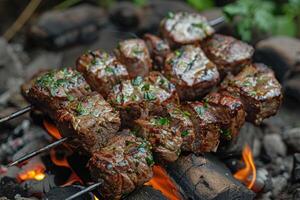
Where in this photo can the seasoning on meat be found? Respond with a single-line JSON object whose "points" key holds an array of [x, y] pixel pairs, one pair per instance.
{"points": [[228, 53], [258, 89], [158, 48], [164, 139], [192, 73], [207, 126], [52, 90], [134, 54], [101, 70], [124, 164], [89, 121], [181, 121], [230, 112], [142, 96], [185, 28]]}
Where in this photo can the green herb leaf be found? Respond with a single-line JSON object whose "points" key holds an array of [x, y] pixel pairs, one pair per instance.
{"points": [[170, 15], [149, 96], [226, 133], [81, 110], [150, 161], [137, 81], [109, 70], [184, 133], [200, 110], [162, 121], [146, 87]]}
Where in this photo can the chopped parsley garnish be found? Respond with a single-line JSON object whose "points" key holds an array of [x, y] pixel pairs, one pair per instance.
{"points": [[170, 15], [200, 110], [119, 99], [149, 96], [198, 25], [162, 121], [81, 110], [226, 133], [178, 53], [146, 87], [149, 161], [252, 93], [246, 84], [109, 69], [70, 97], [94, 61], [136, 50], [137, 81], [186, 113], [184, 133]]}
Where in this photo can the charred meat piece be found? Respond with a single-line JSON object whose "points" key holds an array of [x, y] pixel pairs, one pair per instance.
{"points": [[101, 70], [164, 139], [124, 164], [258, 89], [185, 28], [207, 126], [135, 55], [230, 112], [89, 121], [192, 73], [180, 120], [142, 96], [228, 53], [52, 90], [158, 48]]}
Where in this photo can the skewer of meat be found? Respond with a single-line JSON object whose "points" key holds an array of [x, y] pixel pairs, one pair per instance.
{"points": [[135, 59]]}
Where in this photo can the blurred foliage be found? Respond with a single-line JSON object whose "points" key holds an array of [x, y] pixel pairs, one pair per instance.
{"points": [[201, 4], [265, 16]]}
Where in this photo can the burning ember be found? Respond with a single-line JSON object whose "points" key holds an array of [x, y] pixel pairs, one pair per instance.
{"points": [[52, 130], [249, 171], [163, 183], [36, 173]]}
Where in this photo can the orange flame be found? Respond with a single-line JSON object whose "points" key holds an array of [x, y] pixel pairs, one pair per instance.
{"points": [[162, 182], [36, 173], [249, 169], [52, 129], [63, 162]]}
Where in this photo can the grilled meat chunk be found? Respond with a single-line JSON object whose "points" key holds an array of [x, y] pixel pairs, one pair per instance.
{"points": [[192, 73], [124, 164], [258, 89], [207, 126], [101, 70], [164, 139], [180, 120], [135, 55], [230, 112], [228, 53], [89, 121], [185, 28], [158, 48], [52, 90], [142, 96]]}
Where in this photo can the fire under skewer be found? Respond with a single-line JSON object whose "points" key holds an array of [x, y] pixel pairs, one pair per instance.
{"points": [[28, 108], [88, 189]]}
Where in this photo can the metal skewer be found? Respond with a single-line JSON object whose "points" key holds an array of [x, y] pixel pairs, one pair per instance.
{"points": [[88, 189], [217, 21], [16, 114], [36, 152]]}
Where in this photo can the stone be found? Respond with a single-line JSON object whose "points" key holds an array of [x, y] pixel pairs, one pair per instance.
{"points": [[11, 69], [42, 61], [263, 182], [292, 87], [279, 183], [274, 146], [292, 138], [56, 29], [296, 169], [282, 53]]}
